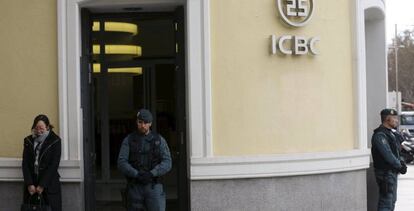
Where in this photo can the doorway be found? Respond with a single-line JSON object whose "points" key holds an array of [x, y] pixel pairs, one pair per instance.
{"points": [[132, 60]]}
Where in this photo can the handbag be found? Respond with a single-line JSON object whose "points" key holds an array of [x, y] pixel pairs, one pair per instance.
{"points": [[39, 206]]}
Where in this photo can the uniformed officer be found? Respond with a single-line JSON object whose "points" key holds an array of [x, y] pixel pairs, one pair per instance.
{"points": [[386, 155], [144, 157]]}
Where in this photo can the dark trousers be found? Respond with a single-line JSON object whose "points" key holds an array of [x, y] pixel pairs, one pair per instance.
{"points": [[150, 197], [387, 181]]}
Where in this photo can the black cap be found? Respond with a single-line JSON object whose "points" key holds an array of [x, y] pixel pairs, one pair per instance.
{"points": [[389, 112], [144, 115]]}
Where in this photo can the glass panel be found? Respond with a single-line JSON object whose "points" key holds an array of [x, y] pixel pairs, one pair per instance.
{"points": [[125, 96], [153, 39], [97, 130], [166, 121], [407, 119]]}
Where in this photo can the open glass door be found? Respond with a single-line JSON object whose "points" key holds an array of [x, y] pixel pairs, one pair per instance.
{"points": [[133, 61]]}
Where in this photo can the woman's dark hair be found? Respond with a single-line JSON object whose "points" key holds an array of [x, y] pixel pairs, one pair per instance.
{"points": [[44, 118]]}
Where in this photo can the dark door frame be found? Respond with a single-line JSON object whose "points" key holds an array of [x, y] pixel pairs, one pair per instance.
{"points": [[87, 109], [180, 68], [87, 102]]}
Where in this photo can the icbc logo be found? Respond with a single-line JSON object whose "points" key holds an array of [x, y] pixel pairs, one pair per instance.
{"points": [[295, 13]]}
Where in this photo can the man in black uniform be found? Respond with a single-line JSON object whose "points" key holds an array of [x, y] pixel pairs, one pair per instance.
{"points": [[143, 158], [386, 155]]}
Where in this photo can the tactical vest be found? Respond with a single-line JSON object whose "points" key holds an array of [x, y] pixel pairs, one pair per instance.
{"points": [[379, 161], [136, 151]]}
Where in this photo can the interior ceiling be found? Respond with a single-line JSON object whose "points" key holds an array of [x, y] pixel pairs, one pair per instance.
{"points": [[104, 6]]}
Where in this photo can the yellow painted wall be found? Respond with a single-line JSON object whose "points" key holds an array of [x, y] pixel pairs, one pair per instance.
{"points": [[28, 69], [265, 104]]}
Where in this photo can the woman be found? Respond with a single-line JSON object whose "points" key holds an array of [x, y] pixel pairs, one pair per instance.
{"points": [[41, 158]]}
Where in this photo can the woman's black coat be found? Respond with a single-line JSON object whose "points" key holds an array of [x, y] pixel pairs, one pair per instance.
{"points": [[49, 159]]}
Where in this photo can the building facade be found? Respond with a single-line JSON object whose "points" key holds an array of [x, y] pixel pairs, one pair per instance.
{"points": [[272, 102]]}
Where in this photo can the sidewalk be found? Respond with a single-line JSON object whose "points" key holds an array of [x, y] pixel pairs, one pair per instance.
{"points": [[405, 200]]}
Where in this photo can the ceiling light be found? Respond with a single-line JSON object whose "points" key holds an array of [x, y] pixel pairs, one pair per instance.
{"points": [[119, 49], [116, 27], [134, 70]]}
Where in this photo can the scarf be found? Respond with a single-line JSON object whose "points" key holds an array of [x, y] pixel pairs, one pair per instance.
{"points": [[38, 142]]}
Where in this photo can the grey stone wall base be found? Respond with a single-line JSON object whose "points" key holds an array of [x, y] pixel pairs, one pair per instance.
{"points": [[339, 191], [11, 196], [372, 190]]}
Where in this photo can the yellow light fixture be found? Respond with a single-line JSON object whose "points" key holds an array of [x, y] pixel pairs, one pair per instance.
{"points": [[116, 27], [134, 70], [119, 49]]}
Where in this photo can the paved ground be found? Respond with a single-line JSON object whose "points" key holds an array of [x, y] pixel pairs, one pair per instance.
{"points": [[405, 200]]}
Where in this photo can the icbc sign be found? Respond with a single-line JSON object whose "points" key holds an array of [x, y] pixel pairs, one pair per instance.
{"points": [[295, 13]]}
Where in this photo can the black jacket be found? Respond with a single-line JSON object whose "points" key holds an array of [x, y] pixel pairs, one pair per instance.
{"points": [[385, 149], [49, 159]]}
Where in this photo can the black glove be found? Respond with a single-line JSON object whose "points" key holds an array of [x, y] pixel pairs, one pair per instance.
{"points": [[145, 177], [403, 169]]}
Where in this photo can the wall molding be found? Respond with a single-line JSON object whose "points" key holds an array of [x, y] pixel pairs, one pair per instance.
{"points": [[199, 78], [279, 165], [70, 112], [359, 75], [11, 170]]}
